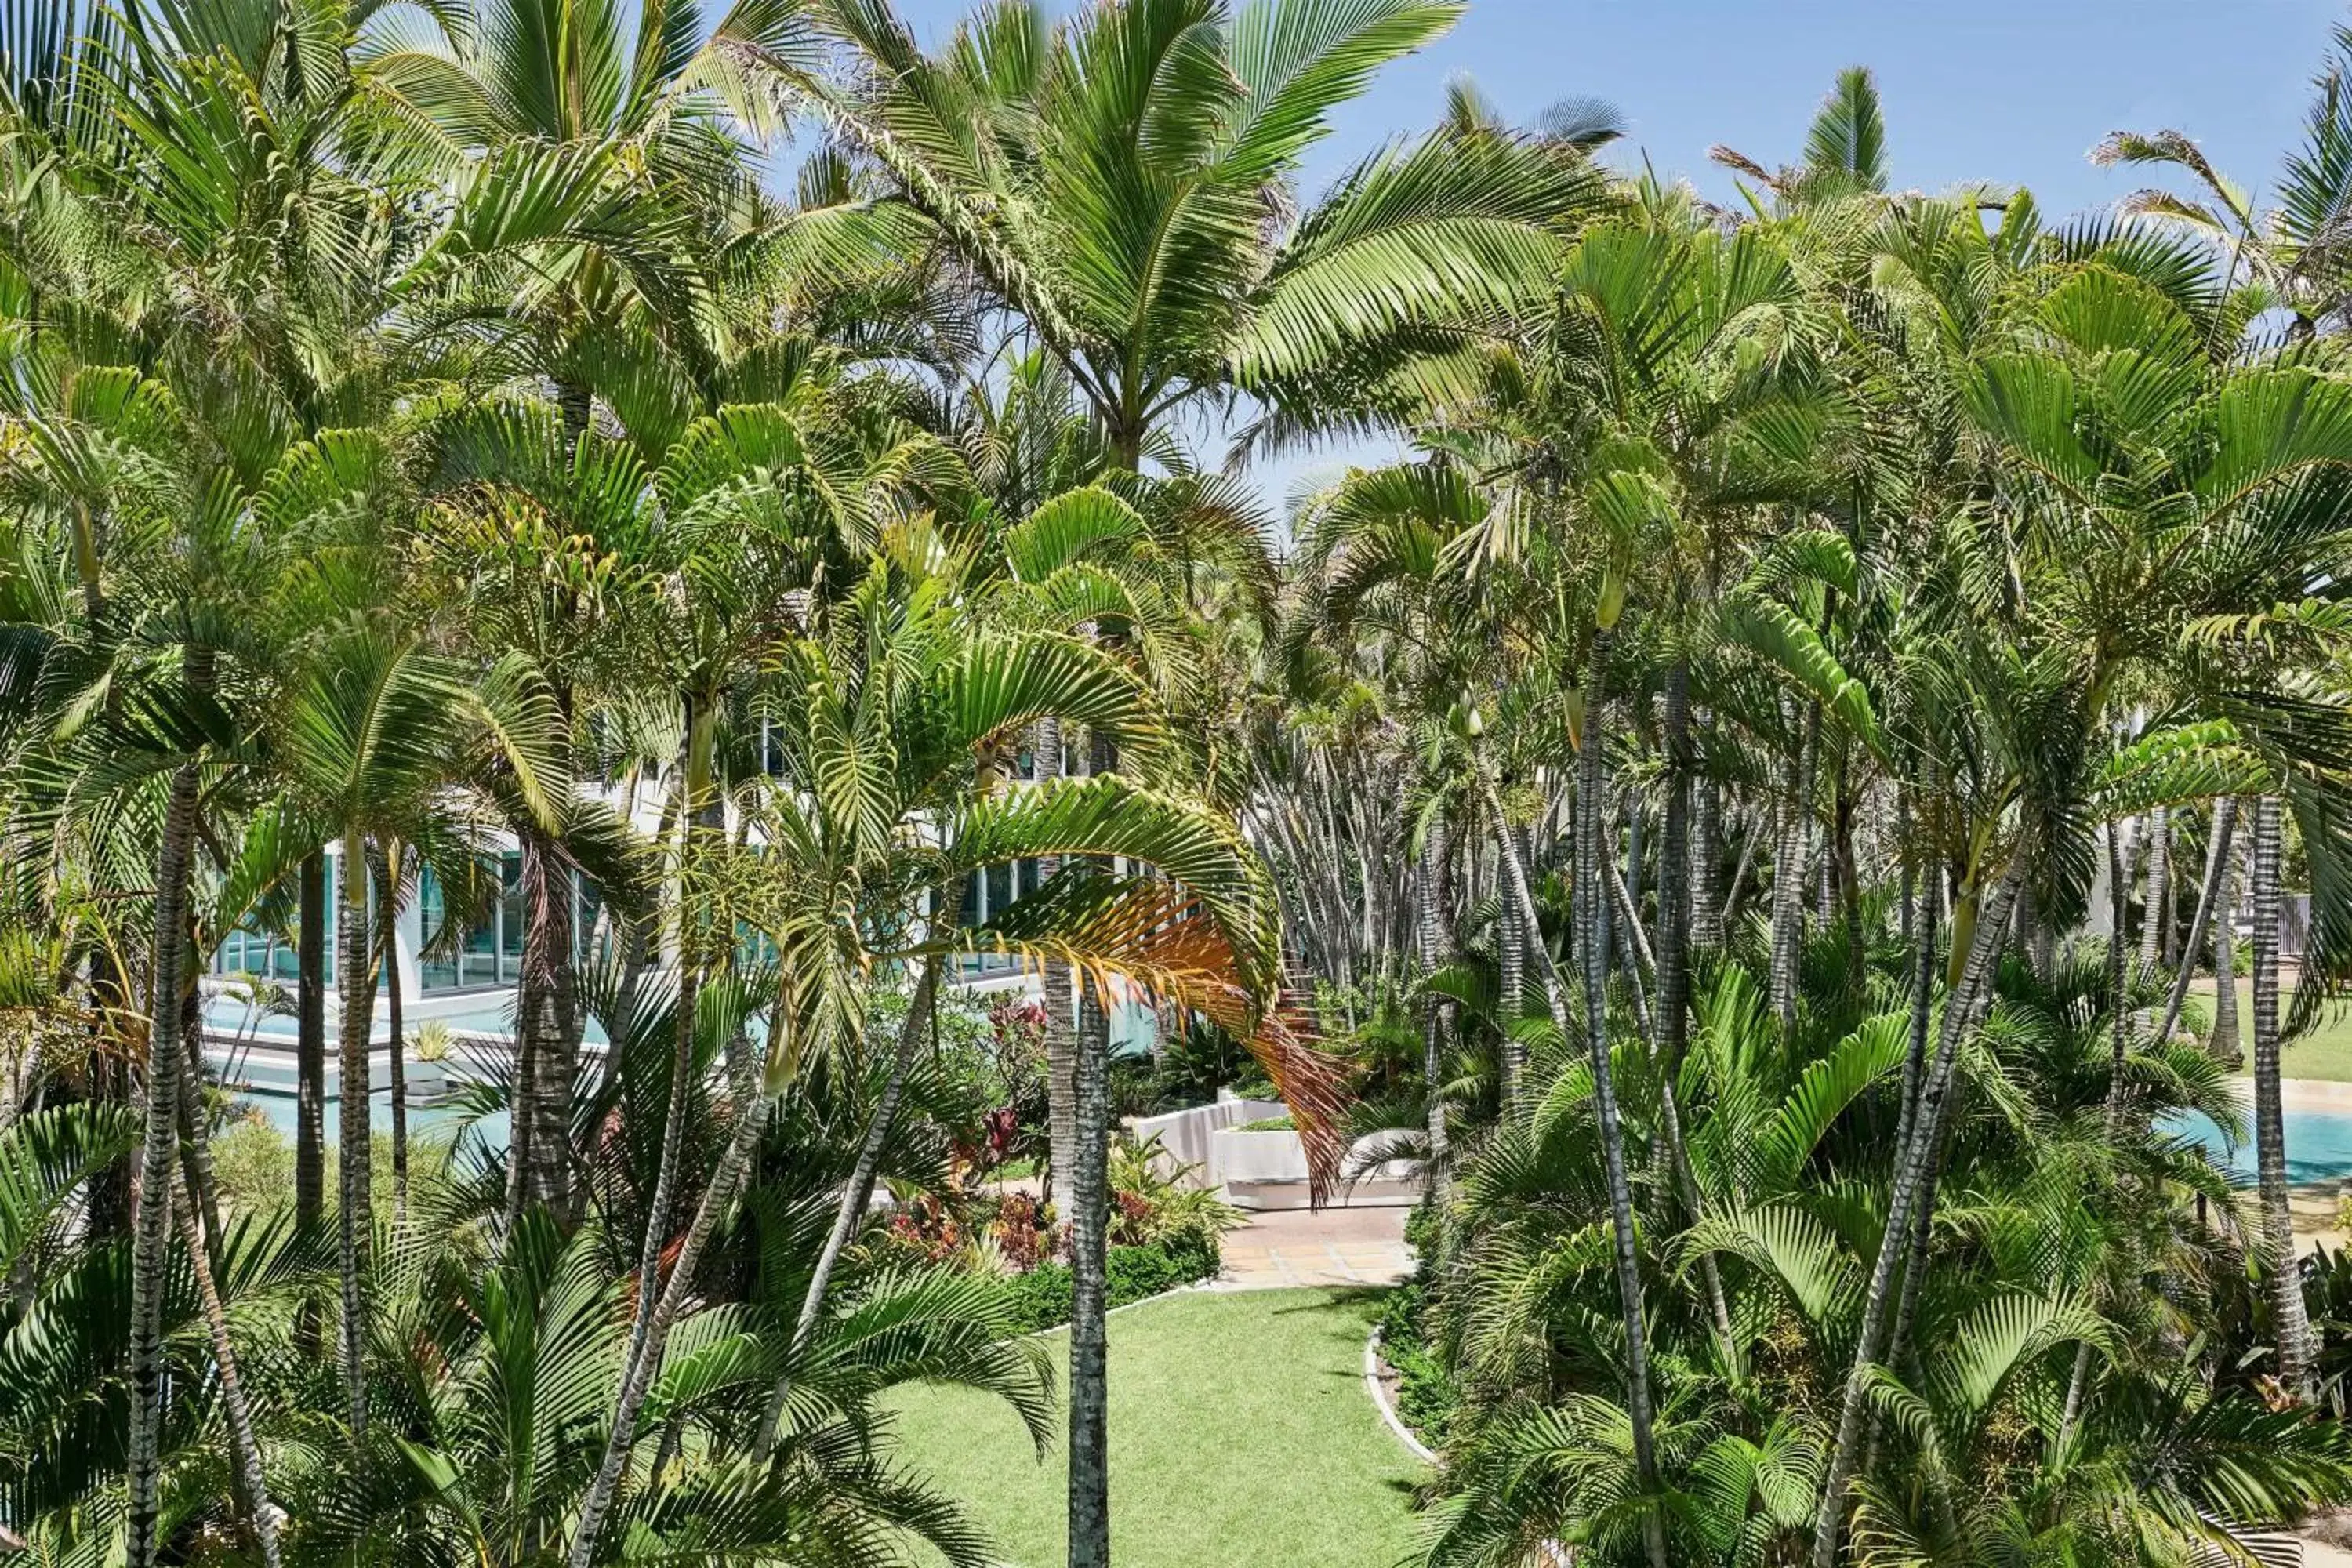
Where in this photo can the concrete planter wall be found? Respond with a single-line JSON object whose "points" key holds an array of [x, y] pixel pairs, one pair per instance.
{"points": [[1260, 1170]]}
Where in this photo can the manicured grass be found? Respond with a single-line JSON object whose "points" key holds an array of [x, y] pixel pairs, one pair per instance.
{"points": [[1241, 1437], [2324, 1053]]}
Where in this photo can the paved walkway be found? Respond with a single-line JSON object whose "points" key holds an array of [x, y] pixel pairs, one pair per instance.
{"points": [[1289, 1247]]}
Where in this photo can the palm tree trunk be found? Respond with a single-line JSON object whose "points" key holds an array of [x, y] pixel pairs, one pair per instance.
{"points": [[850, 1211], [1789, 865], [158, 1157], [1909, 1178], [1089, 1416], [652, 1331], [1670, 1114], [2225, 1047], [1706, 854], [1673, 877], [2159, 872], [2294, 1347], [1511, 956], [1061, 1024], [310, 1063], [1430, 929], [355, 972], [2209, 897], [1922, 923], [1591, 901], [244, 1444], [384, 865], [546, 1004], [1089, 1494]]}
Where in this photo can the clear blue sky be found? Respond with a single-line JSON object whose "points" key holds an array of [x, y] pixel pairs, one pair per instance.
{"points": [[2005, 90]]}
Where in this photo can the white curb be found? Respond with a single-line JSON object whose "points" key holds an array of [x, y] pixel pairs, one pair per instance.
{"points": [[1380, 1401]]}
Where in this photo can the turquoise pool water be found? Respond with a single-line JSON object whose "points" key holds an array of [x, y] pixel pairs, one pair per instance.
{"points": [[2318, 1146]]}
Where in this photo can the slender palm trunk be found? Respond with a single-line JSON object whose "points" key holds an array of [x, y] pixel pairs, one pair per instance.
{"points": [[2294, 1347], [1511, 959], [355, 972], [158, 1157], [849, 1213], [384, 864], [1089, 1416], [1061, 1023], [652, 1332], [2224, 1046], [547, 1004], [1707, 850], [1089, 1494], [1789, 860], [1591, 901], [310, 1062], [1429, 927], [1910, 1175], [244, 1444], [656, 1304], [1922, 923], [2209, 897], [2160, 874], [1670, 1114], [1674, 901]]}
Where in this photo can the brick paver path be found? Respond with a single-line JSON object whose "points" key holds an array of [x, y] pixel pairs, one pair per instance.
{"points": [[1289, 1247]]}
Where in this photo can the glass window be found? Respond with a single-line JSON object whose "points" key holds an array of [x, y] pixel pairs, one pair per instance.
{"points": [[511, 917], [438, 971]]}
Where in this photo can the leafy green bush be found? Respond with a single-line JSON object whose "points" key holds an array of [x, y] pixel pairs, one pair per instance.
{"points": [[253, 1164], [1425, 1396], [1282, 1123], [1042, 1297]]}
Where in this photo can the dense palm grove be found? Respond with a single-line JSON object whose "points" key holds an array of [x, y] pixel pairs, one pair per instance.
{"points": [[1740, 805]]}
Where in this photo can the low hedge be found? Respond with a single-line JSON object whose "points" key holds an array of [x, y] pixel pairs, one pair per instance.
{"points": [[1042, 1297], [1425, 1396]]}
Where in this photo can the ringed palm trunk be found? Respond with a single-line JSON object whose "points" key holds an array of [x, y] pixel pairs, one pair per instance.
{"points": [[2210, 897], [1706, 847], [855, 1196], [1670, 1117], [2160, 875], [247, 1448], [1061, 1024], [547, 1004], [648, 1327], [199, 1217], [310, 1061], [2294, 1347], [652, 1333], [355, 972], [1790, 862], [384, 865], [1910, 1177], [1090, 1419], [1089, 1498], [1511, 955], [158, 1157], [2224, 1046], [1429, 930], [1591, 902]]}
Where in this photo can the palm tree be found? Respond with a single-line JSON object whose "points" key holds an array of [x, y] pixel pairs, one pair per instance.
{"points": [[376, 733]]}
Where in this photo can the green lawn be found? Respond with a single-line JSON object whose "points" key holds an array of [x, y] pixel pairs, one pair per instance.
{"points": [[2326, 1052], [1241, 1437]]}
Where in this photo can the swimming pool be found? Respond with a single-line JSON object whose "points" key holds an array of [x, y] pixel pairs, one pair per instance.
{"points": [[2318, 1145]]}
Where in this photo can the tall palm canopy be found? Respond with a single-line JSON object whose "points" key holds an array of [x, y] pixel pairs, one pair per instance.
{"points": [[687, 585]]}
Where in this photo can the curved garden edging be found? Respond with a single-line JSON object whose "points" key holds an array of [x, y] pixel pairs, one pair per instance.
{"points": [[1381, 1403]]}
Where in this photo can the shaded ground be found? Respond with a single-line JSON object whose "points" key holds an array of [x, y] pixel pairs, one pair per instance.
{"points": [[1241, 1433]]}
